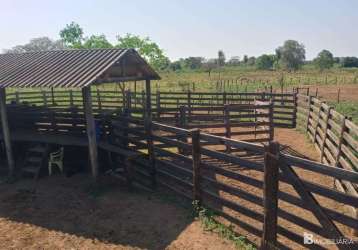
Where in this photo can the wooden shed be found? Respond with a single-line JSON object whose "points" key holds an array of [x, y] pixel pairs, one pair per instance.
{"points": [[67, 69]]}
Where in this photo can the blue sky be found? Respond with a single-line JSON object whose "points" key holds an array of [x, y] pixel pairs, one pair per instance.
{"points": [[193, 28]]}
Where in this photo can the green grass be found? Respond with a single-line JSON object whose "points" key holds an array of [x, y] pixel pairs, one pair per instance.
{"points": [[347, 108], [207, 218]]}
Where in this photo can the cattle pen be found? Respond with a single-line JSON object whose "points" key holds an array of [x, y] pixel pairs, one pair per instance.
{"points": [[214, 148]]}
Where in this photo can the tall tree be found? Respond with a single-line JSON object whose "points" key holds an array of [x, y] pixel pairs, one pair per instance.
{"points": [[349, 62], [95, 42], [324, 60], [148, 49], [291, 55], [265, 62], [221, 58], [72, 35], [245, 59], [37, 44]]}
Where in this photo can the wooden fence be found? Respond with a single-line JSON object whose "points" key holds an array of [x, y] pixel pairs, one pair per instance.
{"points": [[334, 136], [270, 196], [284, 104]]}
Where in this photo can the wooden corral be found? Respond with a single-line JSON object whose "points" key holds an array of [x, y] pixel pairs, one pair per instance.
{"points": [[172, 139]]}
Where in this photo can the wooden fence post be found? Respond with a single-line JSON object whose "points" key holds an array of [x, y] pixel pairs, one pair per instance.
{"points": [[294, 121], [270, 189], [128, 99], [325, 132], [71, 98], [53, 97], [182, 122], [17, 97], [148, 128], [189, 105], [6, 133], [158, 104], [44, 97], [227, 125], [196, 154], [99, 103], [271, 122], [308, 112]]}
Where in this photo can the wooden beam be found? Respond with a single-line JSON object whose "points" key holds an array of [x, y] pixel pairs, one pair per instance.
{"points": [[91, 131], [271, 170], [6, 133], [148, 126]]}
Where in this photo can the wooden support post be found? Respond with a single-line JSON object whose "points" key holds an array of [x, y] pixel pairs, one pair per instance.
{"points": [[6, 133], [338, 94], [271, 169], [91, 131], [148, 128], [196, 154], [227, 125]]}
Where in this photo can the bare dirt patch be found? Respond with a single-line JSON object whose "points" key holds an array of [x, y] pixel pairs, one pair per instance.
{"points": [[348, 92], [63, 214]]}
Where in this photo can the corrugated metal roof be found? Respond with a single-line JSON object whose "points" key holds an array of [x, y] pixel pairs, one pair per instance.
{"points": [[72, 68]]}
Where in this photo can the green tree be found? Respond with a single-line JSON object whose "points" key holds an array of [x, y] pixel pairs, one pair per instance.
{"points": [[265, 62], [37, 44], [193, 62], [245, 59], [221, 58], [251, 61], [94, 42], [148, 49], [324, 60], [72, 35], [291, 55]]}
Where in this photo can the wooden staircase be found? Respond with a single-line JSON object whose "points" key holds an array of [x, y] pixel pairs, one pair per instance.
{"points": [[35, 160]]}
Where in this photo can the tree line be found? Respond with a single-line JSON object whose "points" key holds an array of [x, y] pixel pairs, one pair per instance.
{"points": [[290, 56]]}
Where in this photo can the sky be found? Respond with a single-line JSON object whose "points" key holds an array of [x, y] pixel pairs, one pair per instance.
{"points": [[185, 28]]}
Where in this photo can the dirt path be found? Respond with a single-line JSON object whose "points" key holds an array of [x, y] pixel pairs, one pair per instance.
{"points": [[63, 215]]}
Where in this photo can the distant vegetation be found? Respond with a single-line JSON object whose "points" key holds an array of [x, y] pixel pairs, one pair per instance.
{"points": [[289, 57]]}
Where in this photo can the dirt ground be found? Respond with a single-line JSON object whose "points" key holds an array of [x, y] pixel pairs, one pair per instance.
{"points": [[348, 92], [64, 214]]}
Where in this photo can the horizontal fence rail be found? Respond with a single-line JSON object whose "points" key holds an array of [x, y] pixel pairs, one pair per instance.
{"points": [[284, 108]]}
